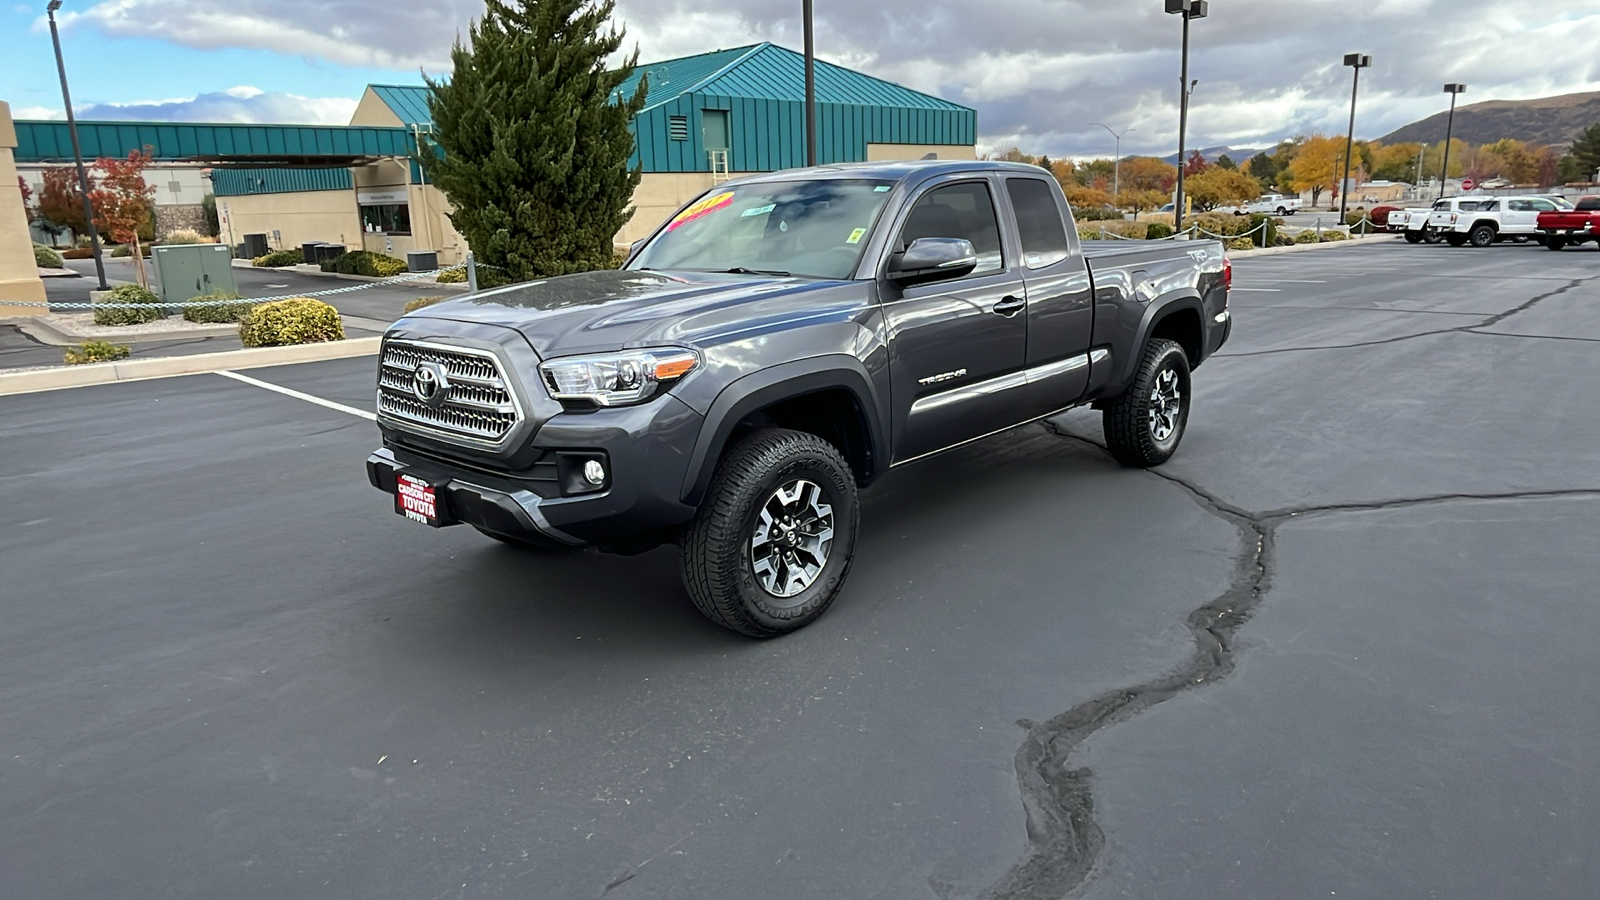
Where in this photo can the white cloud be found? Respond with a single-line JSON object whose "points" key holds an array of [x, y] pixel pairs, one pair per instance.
{"points": [[1038, 71], [242, 104]]}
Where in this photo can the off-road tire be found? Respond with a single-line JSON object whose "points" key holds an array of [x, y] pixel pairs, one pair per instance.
{"points": [[1413, 237], [1455, 239], [1482, 236], [717, 566], [1432, 236], [1130, 434], [1554, 243]]}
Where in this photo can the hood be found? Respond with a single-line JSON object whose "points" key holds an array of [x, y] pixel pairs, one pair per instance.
{"points": [[616, 309]]}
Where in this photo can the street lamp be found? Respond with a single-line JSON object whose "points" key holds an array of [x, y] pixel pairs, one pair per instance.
{"points": [[1189, 9], [1454, 90], [811, 86], [1358, 62], [1116, 164], [77, 150]]}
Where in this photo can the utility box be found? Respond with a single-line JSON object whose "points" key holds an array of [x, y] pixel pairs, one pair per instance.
{"points": [[255, 245], [187, 271], [422, 260]]}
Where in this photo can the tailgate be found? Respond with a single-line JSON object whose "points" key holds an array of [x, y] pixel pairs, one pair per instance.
{"points": [[1563, 220]]}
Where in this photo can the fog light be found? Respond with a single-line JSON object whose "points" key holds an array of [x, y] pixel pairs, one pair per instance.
{"points": [[594, 472]]}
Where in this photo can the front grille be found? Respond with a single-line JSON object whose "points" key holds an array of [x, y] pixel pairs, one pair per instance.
{"points": [[478, 407]]}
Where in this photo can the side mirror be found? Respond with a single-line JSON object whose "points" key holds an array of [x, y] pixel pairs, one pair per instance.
{"points": [[933, 259]]}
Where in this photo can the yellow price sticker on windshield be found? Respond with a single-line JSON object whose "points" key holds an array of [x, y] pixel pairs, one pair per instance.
{"points": [[856, 236], [702, 207]]}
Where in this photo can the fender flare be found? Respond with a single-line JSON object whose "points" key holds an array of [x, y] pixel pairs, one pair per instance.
{"points": [[784, 382], [1160, 308]]}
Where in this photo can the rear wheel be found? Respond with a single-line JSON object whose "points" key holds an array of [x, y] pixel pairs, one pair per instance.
{"points": [[1455, 239], [773, 541], [1433, 236], [1144, 426], [1413, 237], [1554, 243], [1482, 235], [1282, 211]]}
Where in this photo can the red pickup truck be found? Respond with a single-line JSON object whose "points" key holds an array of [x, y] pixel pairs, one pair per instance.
{"points": [[1571, 226]]}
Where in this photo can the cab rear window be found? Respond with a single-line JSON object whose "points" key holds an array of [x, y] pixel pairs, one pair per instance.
{"points": [[1589, 204]]}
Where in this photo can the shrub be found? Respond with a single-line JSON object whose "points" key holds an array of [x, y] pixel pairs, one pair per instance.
{"points": [[1158, 231], [452, 276], [421, 302], [300, 320], [1096, 213], [185, 236], [1330, 236], [134, 315], [1306, 237], [78, 253], [1092, 230], [123, 251], [488, 277], [45, 258], [1269, 236], [221, 313], [1242, 243], [94, 352], [1283, 240], [365, 262], [278, 259]]}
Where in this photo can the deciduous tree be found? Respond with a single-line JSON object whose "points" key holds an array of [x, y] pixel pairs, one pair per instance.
{"points": [[122, 203], [535, 137], [61, 203], [1146, 173], [1196, 164], [1221, 187], [27, 197], [1316, 166]]}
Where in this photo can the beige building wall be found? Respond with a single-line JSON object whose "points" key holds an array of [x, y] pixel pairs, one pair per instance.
{"points": [[897, 152], [372, 112], [658, 196], [298, 218], [19, 276]]}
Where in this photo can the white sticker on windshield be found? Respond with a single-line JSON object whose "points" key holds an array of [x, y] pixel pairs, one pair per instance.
{"points": [[759, 210], [881, 188]]}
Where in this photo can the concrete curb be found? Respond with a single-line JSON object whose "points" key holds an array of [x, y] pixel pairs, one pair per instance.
{"points": [[38, 327], [170, 366], [1300, 248]]}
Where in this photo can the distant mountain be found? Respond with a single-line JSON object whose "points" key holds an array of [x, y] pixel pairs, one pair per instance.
{"points": [[1212, 153], [1555, 121]]}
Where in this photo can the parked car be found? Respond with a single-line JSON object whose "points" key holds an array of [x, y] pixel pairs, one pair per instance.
{"points": [[1273, 204], [1416, 228], [1380, 215], [1561, 227], [777, 344], [1494, 219], [1447, 212]]}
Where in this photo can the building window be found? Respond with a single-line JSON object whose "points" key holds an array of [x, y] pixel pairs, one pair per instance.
{"points": [[387, 218], [678, 127]]}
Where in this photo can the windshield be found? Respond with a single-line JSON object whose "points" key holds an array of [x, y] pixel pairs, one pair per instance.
{"points": [[814, 229]]}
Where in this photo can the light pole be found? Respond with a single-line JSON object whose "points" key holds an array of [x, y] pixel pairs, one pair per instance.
{"points": [[811, 87], [1189, 9], [1454, 90], [1358, 62], [1116, 164], [77, 150]]}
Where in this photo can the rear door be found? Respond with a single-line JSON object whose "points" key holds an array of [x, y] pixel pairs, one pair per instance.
{"points": [[957, 347], [1059, 292], [1519, 216]]}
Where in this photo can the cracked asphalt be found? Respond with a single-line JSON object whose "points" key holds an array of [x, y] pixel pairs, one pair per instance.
{"points": [[1342, 645]]}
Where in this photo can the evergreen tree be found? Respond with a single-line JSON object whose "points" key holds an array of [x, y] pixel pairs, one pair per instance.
{"points": [[1586, 152], [1226, 162], [532, 138]]}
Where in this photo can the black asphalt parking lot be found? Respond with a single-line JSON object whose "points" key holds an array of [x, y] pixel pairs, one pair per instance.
{"points": [[1344, 645]]}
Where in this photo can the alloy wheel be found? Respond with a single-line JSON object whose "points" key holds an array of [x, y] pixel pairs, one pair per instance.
{"points": [[1166, 405], [792, 540]]}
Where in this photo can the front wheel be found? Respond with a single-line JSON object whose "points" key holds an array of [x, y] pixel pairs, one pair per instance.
{"points": [[1482, 236], [1144, 426], [772, 543]]}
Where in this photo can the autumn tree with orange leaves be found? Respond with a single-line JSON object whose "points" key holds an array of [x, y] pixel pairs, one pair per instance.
{"points": [[122, 203]]}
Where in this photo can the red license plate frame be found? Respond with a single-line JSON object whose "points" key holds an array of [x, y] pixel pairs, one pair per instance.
{"points": [[420, 501]]}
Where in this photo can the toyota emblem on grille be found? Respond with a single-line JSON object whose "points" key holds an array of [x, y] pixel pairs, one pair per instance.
{"points": [[431, 384]]}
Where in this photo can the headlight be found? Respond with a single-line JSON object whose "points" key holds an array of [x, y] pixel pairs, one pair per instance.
{"points": [[617, 379]]}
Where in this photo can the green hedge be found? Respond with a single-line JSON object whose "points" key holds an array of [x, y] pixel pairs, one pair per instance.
{"points": [[421, 302], [365, 262], [300, 320], [94, 352], [1158, 231], [1091, 230], [126, 250], [128, 293], [278, 259], [45, 258], [222, 313]]}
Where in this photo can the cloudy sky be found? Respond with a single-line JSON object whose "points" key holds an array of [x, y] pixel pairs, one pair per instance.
{"points": [[1039, 72]]}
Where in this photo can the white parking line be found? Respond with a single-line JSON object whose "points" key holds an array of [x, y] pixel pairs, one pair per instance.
{"points": [[1258, 290], [1290, 280], [287, 392]]}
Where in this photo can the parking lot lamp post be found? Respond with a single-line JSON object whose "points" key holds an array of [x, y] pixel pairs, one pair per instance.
{"points": [[1358, 62], [1454, 90], [1116, 164], [77, 150], [811, 86], [1189, 9]]}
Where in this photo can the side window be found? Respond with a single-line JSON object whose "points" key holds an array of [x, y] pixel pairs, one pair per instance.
{"points": [[1044, 237], [1542, 205], [1490, 206], [962, 210], [1519, 205]]}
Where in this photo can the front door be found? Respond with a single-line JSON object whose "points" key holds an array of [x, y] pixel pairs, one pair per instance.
{"points": [[957, 347]]}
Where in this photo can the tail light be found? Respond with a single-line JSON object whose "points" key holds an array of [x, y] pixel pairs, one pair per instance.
{"points": [[1227, 274]]}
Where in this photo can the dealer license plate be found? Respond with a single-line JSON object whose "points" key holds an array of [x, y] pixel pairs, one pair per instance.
{"points": [[417, 500]]}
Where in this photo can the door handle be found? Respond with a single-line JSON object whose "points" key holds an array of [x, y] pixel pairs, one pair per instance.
{"points": [[1009, 307]]}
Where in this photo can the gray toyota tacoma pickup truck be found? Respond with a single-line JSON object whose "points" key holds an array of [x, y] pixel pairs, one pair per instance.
{"points": [[774, 347]]}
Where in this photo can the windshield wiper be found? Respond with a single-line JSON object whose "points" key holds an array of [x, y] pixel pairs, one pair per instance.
{"points": [[741, 270]]}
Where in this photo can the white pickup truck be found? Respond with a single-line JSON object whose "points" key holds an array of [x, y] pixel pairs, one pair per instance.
{"points": [[1486, 220], [1273, 205]]}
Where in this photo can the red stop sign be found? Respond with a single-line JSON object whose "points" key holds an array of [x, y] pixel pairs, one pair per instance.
{"points": [[1468, 184]]}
